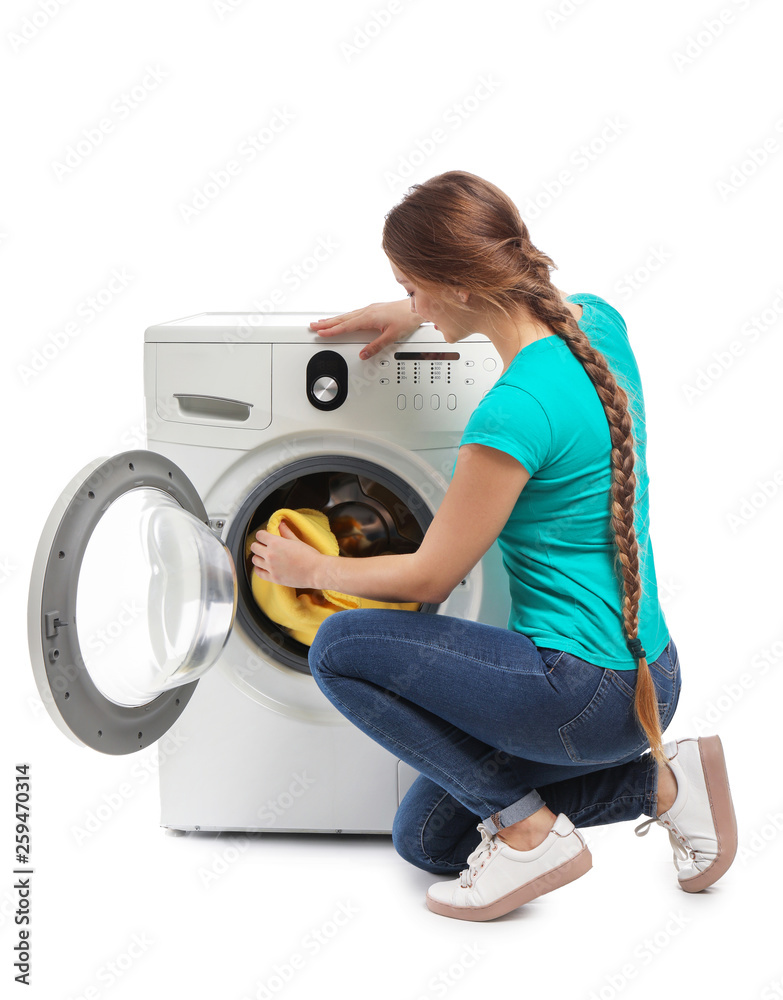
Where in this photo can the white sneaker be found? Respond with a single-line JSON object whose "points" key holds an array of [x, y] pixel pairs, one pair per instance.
{"points": [[498, 878], [701, 823]]}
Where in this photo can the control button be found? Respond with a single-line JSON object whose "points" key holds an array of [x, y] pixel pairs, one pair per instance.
{"points": [[418, 400], [384, 364], [435, 401], [469, 381], [325, 388], [451, 401], [401, 402], [469, 364], [490, 364], [383, 381]]}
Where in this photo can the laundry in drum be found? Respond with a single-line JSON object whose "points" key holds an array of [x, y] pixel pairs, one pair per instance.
{"points": [[300, 612]]}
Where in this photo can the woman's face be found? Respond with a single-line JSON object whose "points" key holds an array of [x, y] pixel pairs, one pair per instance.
{"points": [[434, 308]]}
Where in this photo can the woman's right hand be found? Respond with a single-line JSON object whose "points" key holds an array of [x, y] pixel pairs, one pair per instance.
{"points": [[394, 320]]}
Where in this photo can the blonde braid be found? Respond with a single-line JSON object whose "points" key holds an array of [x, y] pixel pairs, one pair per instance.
{"points": [[546, 304]]}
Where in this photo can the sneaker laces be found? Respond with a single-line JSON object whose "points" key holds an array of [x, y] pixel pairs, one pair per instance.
{"points": [[682, 849], [477, 857]]}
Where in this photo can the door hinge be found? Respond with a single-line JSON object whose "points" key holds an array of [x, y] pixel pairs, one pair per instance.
{"points": [[217, 524]]}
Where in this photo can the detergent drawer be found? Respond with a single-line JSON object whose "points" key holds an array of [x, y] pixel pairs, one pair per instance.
{"points": [[223, 386]]}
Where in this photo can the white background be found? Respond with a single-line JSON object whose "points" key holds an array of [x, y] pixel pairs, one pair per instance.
{"points": [[665, 213]]}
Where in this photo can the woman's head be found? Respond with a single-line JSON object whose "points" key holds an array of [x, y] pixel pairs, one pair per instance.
{"points": [[460, 244]]}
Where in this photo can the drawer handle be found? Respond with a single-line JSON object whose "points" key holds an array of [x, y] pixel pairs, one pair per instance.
{"points": [[213, 407]]}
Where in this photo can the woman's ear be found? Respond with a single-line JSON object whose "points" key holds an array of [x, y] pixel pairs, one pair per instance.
{"points": [[457, 294]]}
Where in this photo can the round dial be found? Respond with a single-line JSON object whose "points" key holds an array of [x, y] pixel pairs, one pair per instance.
{"points": [[325, 388]]}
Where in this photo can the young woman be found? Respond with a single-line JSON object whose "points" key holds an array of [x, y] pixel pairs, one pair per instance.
{"points": [[540, 728]]}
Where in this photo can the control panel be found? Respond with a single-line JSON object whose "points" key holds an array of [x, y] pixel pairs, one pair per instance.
{"points": [[400, 379], [432, 379]]}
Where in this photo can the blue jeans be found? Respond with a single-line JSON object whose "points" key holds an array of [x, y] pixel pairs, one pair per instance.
{"points": [[496, 726]]}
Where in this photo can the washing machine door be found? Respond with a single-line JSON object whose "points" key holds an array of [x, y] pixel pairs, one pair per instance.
{"points": [[132, 599]]}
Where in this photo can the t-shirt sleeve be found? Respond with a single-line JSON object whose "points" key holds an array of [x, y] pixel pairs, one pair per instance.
{"points": [[512, 420]]}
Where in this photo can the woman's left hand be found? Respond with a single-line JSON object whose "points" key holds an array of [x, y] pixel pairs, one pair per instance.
{"points": [[285, 559]]}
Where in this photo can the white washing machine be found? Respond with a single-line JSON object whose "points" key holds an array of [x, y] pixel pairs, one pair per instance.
{"points": [[142, 623]]}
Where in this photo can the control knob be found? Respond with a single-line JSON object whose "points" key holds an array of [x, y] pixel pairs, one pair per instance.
{"points": [[325, 388], [326, 380]]}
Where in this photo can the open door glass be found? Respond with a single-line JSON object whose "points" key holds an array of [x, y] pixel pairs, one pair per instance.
{"points": [[132, 599]]}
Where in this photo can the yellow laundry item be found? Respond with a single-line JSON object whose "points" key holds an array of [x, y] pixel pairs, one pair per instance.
{"points": [[301, 612]]}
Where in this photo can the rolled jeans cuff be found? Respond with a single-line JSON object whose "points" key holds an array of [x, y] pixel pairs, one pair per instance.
{"points": [[517, 811]]}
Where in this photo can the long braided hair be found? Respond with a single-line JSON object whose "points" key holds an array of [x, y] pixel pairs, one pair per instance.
{"points": [[459, 229]]}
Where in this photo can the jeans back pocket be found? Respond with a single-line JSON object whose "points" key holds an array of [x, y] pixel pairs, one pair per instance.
{"points": [[607, 729]]}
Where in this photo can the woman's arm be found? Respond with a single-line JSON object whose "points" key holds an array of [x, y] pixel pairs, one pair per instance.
{"points": [[395, 320], [482, 493]]}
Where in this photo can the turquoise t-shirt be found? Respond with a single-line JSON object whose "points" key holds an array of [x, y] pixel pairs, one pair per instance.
{"points": [[558, 545]]}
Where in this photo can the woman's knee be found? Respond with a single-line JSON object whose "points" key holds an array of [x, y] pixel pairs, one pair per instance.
{"points": [[331, 630], [407, 840], [339, 633]]}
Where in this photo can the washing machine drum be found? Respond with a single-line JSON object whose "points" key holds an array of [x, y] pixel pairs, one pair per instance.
{"points": [[371, 511]]}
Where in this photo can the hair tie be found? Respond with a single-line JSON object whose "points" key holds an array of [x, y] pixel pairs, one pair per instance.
{"points": [[636, 648]]}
